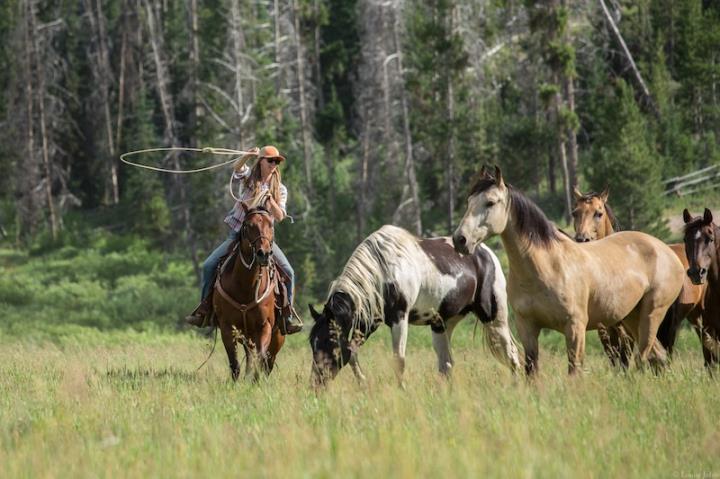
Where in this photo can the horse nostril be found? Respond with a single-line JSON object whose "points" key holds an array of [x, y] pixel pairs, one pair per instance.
{"points": [[702, 271], [460, 240]]}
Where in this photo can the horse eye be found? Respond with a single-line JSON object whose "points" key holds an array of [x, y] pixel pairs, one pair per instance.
{"points": [[489, 204], [709, 239], [598, 214]]}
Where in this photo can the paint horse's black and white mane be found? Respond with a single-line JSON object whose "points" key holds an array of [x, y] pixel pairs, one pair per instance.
{"points": [[397, 278]]}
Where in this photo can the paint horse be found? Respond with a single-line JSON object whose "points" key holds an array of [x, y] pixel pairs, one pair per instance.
{"points": [[244, 297], [593, 219], [557, 283], [701, 247], [401, 280]]}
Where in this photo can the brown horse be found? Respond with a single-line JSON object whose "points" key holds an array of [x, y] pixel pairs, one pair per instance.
{"points": [[593, 219], [244, 297], [701, 247], [556, 283]]}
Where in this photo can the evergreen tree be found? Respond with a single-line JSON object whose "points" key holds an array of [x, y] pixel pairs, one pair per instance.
{"points": [[624, 159]]}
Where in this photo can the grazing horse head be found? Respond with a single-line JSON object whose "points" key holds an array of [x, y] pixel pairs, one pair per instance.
{"points": [[335, 336], [256, 236], [700, 245], [487, 212], [592, 217]]}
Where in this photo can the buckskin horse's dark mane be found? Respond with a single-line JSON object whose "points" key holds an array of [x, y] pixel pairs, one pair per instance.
{"points": [[531, 222]]}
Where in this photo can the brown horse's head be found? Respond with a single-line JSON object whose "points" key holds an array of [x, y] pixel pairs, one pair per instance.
{"points": [[700, 247], [256, 234], [592, 217]]}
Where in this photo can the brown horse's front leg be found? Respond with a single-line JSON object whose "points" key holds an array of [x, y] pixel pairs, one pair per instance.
{"points": [[276, 343], [230, 343]]}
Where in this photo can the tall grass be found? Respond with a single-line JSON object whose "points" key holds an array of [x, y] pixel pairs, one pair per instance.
{"points": [[141, 410], [97, 379]]}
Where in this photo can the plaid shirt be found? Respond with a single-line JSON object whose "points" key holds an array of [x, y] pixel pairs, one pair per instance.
{"points": [[235, 218]]}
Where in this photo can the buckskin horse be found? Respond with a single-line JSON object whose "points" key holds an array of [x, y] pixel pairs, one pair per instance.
{"points": [[593, 219], [557, 283], [244, 297], [701, 247], [397, 278]]}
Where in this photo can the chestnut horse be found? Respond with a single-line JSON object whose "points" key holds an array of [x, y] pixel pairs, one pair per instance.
{"points": [[244, 297], [556, 283], [593, 219], [702, 239]]}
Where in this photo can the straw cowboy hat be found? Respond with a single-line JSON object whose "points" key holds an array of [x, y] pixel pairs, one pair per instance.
{"points": [[270, 151]]}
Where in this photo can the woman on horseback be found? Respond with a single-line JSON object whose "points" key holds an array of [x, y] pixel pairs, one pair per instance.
{"points": [[261, 184]]}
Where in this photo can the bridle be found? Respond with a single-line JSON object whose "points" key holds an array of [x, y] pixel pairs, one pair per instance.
{"points": [[259, 298], [254, 241]]}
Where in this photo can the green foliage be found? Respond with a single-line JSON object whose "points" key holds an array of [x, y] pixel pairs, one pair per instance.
{"points": [[623, 158]]}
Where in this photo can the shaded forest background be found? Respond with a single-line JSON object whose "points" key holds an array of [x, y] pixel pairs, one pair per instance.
{"points": [[384, 109]]}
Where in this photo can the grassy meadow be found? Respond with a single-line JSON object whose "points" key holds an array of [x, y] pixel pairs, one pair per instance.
{"points": [[97, 380]]}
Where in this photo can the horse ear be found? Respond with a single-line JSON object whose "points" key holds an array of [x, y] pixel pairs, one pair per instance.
{"points": [[707, 217], [576, 193], [605, 193], [485, 172], [315, 315], [498, 177], [687, 217]]}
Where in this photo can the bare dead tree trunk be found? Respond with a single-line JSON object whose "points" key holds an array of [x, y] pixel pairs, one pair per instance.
{"points": [[409, 160], [569, 92], [631, 62], [450, 166], [562, 149], [40, 72], [103, 73], [362, 203], [27, 208], [568, 86], [194, 68], [276, 45], [304, 122], [121, 80], [166, 103], [238, 46]]}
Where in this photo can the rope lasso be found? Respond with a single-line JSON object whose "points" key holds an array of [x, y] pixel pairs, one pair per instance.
{"points": [[211, 150]]}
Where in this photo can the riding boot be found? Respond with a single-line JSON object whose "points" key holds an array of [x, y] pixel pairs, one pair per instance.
{"points": [[291, 322], [200, 317]]}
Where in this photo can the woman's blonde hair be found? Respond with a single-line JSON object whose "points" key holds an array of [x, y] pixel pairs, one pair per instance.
{"points": [[253, 180]]}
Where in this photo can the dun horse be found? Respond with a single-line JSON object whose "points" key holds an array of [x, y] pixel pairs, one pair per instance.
{"points": [[397, 278], [571, 287], [702, 239], [244, 298], [593, 219]]}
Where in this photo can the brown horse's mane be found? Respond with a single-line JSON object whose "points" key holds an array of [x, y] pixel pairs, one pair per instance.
{"points": [[531, 222]]}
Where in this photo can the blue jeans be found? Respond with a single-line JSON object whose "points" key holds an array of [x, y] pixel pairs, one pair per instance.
{"points": [[210, 265]]}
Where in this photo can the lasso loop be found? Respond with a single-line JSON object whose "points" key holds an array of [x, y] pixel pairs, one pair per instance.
{"points": [[207, 150]]}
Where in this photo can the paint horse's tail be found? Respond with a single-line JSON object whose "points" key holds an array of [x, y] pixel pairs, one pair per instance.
{"points": [[499, 339]]}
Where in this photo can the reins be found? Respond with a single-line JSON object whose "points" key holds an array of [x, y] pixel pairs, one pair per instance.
{"points": [[243, 308]]}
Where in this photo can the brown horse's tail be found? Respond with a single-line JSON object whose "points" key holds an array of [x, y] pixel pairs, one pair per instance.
{"points": [[667, 332]]}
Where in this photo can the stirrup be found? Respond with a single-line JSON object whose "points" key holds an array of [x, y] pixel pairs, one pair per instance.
{"points": [[288, 326]]}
